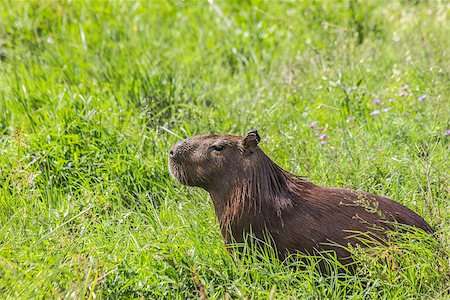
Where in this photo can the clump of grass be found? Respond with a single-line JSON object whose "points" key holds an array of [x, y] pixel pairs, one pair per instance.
{"points": [[93, 95]]}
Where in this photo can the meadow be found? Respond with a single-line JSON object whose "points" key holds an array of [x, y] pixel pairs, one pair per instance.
{"points": [[93, 94]]}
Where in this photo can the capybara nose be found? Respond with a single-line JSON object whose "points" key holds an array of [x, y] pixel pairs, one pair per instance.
{"points": [[173, 152], [176, 152]]}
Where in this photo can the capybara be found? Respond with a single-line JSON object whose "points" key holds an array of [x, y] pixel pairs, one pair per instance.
{"points": [[252, 195]]}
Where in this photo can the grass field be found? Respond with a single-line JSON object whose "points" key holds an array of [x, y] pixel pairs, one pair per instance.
{"points": [[93, 94]]}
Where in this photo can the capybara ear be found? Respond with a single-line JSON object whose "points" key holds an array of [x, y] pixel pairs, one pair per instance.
{"points": [[251, 139]]}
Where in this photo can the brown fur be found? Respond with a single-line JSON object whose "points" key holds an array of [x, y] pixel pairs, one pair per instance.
{"points": [[253, 194]]}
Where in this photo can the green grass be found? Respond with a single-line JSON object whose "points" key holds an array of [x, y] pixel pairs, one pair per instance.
{"points": [[93, 94]]}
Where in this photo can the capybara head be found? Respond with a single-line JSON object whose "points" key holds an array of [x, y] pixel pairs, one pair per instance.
{"points": [[212, 161], [235, 171]]}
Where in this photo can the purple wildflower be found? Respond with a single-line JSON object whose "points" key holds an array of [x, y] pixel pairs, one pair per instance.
{"points": [[447, 132], [402, 94], [351, 118], [376, 101], [324, 136], [375, 112], [319, 128], [322, 142], [421, 98], [386, 109], [390, 100], [404, 87], [313, 124]]}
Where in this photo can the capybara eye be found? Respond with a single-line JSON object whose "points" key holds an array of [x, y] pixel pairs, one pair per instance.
{"points": [[217, 147]]}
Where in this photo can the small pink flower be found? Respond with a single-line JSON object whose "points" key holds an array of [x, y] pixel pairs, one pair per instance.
{"points": [[447, 132], [351, 118], [386, 109], [390, 100], [376, 101], [421, 98], [313, 124], [402, 94], [404, 87], [375, 112], [322, 143], [324, 136]]}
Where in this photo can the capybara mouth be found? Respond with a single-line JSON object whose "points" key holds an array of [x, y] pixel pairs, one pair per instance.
{"points": [[177, 171], [175, 167]]}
